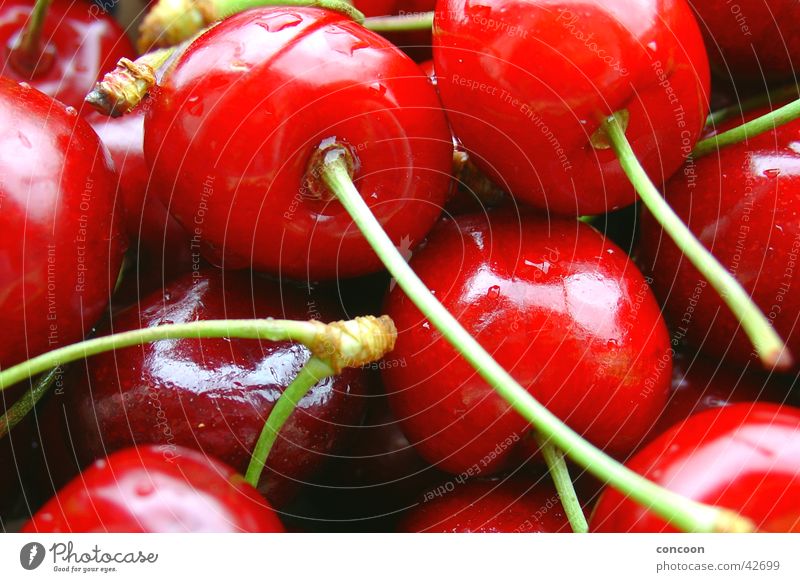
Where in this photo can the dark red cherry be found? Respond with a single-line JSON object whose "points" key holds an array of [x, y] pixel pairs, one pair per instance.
{"points": [[215, 394], [512, 505], [152, 490], [61, 243], [247, 105], [560, 307], [700, 384], [526, 84], [742, 205], [743, 457], [80, 42], [751, 40]]}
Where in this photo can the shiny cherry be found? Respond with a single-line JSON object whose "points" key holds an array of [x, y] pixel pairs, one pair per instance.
{"points": [[61, 243], [511, 505], [526, 85], [146, 490], [742, 205], [751, 40], [215, 394], [743, 457], [560, 307], [80, 42], [248, 104]]}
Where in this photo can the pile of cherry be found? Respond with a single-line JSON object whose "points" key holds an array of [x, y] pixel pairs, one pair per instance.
{"points": [[490, 171]]}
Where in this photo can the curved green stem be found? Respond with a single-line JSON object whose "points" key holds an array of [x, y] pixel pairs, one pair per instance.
{"points": [[315, 370], [752, 128], [683, 513], [400, 23], [264, 329], [28, 55], [767, 343], [765, 100], [25, 404], [559, 472]]}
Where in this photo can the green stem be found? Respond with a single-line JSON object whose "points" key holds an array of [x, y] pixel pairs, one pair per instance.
{"points": [[766, 100], [24, 405], [752, 128], [768, 345], [315, 370], [683, 513], [400, 23], [561, 479], [29, 57], [262, 329]]}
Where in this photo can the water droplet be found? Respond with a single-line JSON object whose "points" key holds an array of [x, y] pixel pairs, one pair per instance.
{"points": [[71, 111], [278, 22], [379, 88], [25, 141], [493, 292], [772, 173], [426, 325], [143, 489], [194, 105], [652, 45], [24, 86], [612, 344]]}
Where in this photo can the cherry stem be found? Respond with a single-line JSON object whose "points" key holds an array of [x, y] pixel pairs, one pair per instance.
{"points": [[315, 370], [559, 472], [767, 343], [401, 22], [121, 90], [752, 128], [25, 404], [171, 22], [766, 100], [28, 56], [684, 513], [342, 344]]}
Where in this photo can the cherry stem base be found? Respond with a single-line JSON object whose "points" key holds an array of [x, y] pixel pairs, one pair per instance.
{"points": [[770, 348], [683, 513]]}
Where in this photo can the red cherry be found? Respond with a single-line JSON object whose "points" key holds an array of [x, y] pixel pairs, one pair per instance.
{"points": [[247, 105], [527, 84], [560, 307], [61, 244], [145, 490], [742, 205], [508, 506], [751, 40], [81, 42], [743, 457], [215, 395]]}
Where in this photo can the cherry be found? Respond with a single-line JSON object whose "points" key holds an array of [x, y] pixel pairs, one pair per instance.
{"points": [[747, 217], [215, 395], [560, 307], [61, 243], [76, 46], [744, 457], [513, 505], [526, 85], [247, 105], [146, 490], [751, 40]]}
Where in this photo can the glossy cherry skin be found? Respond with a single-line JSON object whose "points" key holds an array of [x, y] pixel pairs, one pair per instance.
{"points": [[742, 205], [247, 105], [559, 307], [526, 85], [146, 490], [84, 43], [488, 506], [743, 457], [61, 243], [215, 394], [751, 40]]}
